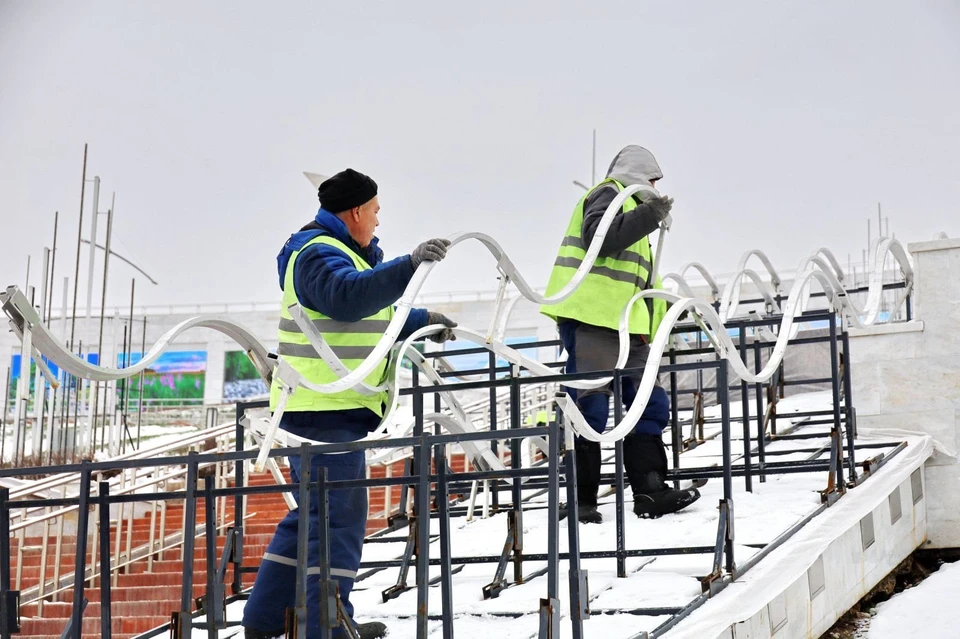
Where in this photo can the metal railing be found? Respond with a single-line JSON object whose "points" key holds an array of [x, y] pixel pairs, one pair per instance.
{"points": [[429, 476]]}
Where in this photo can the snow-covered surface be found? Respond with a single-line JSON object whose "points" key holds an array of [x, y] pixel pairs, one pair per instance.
{"points": [[652, 582], [924, 611]]}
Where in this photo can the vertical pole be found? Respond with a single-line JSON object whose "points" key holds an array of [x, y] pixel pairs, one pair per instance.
{"points": [[143, 350], [851, 416], [238, 471], [723, 398], [5, 613], [303, 540], [423, 536], [573, 532], [214, 599], [79, 575], [619, 486], [835, 388], [3, 419], [105, 618], [76, 271], [446, 578], [494, 445], [745, 414], [328, 606], [42, 309], [761, 434], [103, 310], [517, 490], [677, 433], [553, 510], [189, 540], [53, 267]]}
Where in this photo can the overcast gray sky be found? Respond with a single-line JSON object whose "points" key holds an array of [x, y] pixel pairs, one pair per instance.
{"points": [[779, 125]]}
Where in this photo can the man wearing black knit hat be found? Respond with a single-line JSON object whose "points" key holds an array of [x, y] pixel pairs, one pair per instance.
{"points": [[334, 269]]}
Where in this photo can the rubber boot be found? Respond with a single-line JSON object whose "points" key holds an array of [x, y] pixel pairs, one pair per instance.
{"points": [[645, 462], [588, 481], [371, 630], [252, 633]]}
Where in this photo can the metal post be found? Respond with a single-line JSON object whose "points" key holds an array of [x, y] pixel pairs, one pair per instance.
{"points": [[238, 472], [303, 540], [850, 410], [328, 595], [835, 388], [423, 535], [745, 415], [723, 398], [3, 419], [53, 265], [761, 434], [676, 434], [79, 575], [515, 463], [446, 582], [213, 602], [494, 445], [619, 486], [553, 510], [189, 533], [105, 618], [143, 349], [573, 530], [9, 600]]}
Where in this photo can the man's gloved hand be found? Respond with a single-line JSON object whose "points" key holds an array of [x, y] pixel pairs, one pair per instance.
{"points": [[433, 250], [660, 206], [446, 334]]}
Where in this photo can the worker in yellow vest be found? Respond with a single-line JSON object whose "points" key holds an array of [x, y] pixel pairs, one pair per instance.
{"points": [[334, 268], [588, 322]]}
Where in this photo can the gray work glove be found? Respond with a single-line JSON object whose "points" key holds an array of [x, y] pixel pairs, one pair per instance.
{"points": [[660, 206], [433, 250], [446, 334]]}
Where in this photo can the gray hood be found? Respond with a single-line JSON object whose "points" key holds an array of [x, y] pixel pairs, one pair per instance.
{"points": [[634, 165]]}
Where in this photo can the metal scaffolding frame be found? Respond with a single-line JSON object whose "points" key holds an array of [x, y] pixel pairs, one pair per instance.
{"points": [[433, 483]]}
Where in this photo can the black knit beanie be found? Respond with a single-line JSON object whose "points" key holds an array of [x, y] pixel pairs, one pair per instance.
{"points": [[346, 190]]}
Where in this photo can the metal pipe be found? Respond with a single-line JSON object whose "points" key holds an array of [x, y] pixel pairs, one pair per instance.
{"points": [[106, 622], [190, 528], [835, 389], [619, 483], [5, 630], [83, 514], [423, 536], [53, 265], [76, 271], [745, 413], [443, 502]]}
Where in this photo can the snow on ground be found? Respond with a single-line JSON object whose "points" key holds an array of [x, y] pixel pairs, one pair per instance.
{"points": [[924, 611], [652, 582]]}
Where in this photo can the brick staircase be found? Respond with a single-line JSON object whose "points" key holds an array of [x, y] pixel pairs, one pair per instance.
{"points": [[141, 600]]}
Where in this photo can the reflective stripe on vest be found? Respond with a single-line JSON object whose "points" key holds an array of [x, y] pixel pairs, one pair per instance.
{"points": [[611, 282], [352, 342]]}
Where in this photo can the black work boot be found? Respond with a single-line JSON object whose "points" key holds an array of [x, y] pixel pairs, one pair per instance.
{"points": [[653, 498], [588, 481], [253, 633], [645, 461], [371, 630]]}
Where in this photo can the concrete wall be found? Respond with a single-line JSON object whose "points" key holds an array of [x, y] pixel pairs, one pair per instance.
{"points": [[906, 376]]}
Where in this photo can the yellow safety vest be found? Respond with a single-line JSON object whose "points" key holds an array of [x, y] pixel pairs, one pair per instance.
{"points": [[352, 342], [605, 291]]}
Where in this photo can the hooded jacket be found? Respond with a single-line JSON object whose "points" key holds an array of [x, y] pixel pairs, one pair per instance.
{"points": [[633, 165], [326, 280]]}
